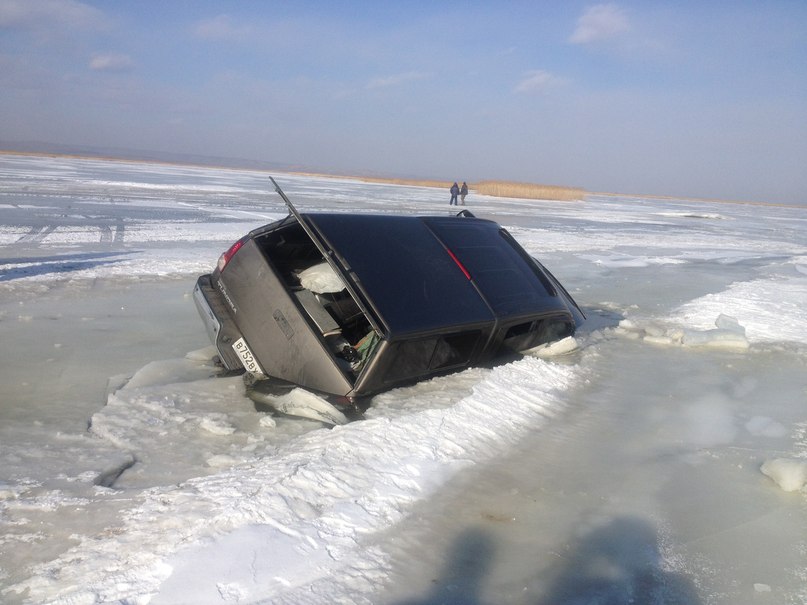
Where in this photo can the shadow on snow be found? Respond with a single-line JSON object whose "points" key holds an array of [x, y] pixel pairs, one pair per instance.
{"points": [[618, 563], [63, 263]]}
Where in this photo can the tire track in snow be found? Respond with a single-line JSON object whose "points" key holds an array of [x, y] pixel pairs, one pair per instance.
{"points": [[36, 235], [119, 231], [110, 237], [106, 234]]}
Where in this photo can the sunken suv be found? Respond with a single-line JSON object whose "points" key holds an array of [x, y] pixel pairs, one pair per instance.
{"points": [[349, 305]]}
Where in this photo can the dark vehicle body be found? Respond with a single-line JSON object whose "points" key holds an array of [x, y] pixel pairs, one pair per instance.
{"points": [[404, 298]]}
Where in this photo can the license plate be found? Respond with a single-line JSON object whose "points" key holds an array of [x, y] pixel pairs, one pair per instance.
{"points": [[247, 358]]}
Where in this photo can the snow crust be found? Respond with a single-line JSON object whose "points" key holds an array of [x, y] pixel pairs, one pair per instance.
{"points": [[750, 304], [304, 510]]}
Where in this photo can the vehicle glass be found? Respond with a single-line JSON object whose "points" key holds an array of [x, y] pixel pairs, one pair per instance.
{"points": [[418, 357], [527, 335], [290, 251], [536, 268], [506, 279]]}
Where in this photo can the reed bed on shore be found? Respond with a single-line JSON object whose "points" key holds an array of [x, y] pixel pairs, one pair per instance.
{"points": [[496, 188], [529, 191], [409, 182]]}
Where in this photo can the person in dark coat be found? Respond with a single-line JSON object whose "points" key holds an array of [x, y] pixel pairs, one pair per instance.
{"points": [[463, 192], [455, 191]]}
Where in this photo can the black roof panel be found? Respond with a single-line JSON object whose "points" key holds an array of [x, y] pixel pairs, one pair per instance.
{"points": [[406, 272]]}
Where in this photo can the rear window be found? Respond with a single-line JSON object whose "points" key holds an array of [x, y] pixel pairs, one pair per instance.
{"points": [[497, 264]]}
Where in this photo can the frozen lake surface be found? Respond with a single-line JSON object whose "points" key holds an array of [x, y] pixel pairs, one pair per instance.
{"points": [[661, 457]]}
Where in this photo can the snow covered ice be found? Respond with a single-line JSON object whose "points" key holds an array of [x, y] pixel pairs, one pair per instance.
{"points": [[659, 456]]}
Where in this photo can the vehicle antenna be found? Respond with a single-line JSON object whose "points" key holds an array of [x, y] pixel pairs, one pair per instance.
{"points": [[292, 209]]}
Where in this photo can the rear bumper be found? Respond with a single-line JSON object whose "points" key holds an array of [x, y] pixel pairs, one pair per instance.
{"points": [[220, 327]]}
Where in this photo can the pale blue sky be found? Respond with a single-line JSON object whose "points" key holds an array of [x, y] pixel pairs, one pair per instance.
{"points": [[682, 98]]}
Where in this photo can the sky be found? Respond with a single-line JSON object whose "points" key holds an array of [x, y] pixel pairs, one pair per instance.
{"points": [[702, 99]]}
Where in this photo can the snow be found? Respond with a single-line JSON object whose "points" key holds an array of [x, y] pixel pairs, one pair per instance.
{"points": [[661, 453]]}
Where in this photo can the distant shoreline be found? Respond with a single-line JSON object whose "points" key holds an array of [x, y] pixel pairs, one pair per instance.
{"points": [[510, 189]]}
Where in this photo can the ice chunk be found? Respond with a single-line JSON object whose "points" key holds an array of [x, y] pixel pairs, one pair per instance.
{"points": [[654, 330], [629, 334], [727, 322], [658, 340], [789, 474], [302, 403], [168, 371], [7, 492], [232, 592], [108, 476], [729, 334], [718, 338], [222, 461], [217, 425], [268, 422], [553, 349], [629, 329]]}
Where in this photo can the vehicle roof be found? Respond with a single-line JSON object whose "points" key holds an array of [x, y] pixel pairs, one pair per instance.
{"points": [[404, 266]]}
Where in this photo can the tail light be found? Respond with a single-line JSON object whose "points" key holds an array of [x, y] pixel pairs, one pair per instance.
{"points": [[225, 258], [459, 264]]}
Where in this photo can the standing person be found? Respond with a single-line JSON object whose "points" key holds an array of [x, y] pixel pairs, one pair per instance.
{"points": [[455, 190], [463, 192]]}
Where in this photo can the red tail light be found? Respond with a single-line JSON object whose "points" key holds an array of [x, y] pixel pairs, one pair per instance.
{"points": [[225, 258], [459, 264]]}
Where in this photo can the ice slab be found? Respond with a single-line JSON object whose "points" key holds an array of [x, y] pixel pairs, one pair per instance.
{"points": [[788, 473], [728, 334], [554, 349]]}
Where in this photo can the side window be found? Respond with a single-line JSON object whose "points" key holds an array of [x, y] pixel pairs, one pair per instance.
{"points": [[454, 350], [521, 337], [413, 358]]}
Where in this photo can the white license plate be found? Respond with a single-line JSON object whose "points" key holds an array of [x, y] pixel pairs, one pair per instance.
{"points": [[247, 358]]}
